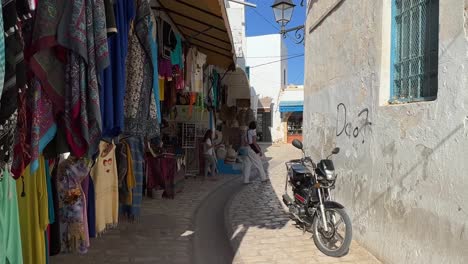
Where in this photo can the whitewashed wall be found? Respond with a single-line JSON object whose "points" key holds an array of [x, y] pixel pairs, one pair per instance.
{"points": [[268, 80], [404, 178]]}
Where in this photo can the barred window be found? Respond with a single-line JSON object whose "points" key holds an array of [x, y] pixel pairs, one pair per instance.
{"points": [[415, 35]]}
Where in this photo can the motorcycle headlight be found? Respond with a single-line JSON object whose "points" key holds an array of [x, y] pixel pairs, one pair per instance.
{"points": [[330, 175]]}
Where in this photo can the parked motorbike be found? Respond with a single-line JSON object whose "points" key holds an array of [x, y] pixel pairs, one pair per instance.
{"points": [[312, 206]]}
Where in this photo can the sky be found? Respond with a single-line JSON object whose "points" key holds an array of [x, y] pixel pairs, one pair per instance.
{"points": [[261, 21]]}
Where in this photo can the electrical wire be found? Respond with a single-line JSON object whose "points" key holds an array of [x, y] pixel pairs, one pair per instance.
{"points": [[263, 64]]}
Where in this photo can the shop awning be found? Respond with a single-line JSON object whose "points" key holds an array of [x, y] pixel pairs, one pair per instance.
{"points": [[204, 24], [292, 101]]}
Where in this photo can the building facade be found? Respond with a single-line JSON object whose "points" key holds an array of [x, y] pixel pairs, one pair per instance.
{"points": [[291, 106], [267, 64], [387, 82]]}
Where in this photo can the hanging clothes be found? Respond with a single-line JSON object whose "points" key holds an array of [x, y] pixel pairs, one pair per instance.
{"points": [[87, 58], [71, 172], [2, 54], [198, 61], [54, 238], [112, 93], [177, 56], [135, 148], [105, 179], [154, 59], [33, 205], [10, 235], [140, 103]]}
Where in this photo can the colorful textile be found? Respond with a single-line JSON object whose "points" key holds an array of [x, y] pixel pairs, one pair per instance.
{"points": [[10, 235], [165, 69], [112, 92], [179, 77], [71, 172], [160, 173], [43, 127], [136, 146], [104, 175], [161, 85], [154, 59], [33, 205], [54, 239], [177, 56], [140, 103], [88, 57]]}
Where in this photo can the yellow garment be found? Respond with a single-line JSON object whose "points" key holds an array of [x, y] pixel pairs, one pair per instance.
{"points": [[161, 89], [104, 175], [33, 213], [131, 182]]}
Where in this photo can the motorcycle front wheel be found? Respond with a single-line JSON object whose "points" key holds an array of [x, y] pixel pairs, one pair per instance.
{"points": [[336, 241]]}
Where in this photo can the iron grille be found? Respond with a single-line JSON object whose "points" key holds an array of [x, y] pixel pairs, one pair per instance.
{"points": [[416, 50]]}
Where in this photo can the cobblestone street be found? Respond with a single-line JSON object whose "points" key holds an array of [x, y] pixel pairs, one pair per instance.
{"points": [[261, 230], [256, 222]]}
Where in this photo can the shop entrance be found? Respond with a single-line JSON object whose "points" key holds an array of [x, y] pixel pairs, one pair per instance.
{"points": [[264, 126], [295, 126]]}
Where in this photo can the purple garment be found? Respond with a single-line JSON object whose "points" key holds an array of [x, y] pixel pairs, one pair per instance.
{"points": [[112, 91]]}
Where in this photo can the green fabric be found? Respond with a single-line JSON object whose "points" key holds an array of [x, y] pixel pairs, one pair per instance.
{"points": [[10, 236]]}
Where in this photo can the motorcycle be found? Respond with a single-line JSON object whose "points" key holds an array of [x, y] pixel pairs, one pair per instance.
{"points": [[312, 206]]}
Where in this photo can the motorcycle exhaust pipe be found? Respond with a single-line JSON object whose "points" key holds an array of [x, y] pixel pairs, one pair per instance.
{"points": [[287, 200]]}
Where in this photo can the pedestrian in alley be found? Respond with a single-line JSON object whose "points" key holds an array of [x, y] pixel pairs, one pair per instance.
{"points": [[254, 154], [209, 155]]}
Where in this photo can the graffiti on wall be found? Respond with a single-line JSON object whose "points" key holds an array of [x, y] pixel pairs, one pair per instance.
{"points": [[354, 127]]}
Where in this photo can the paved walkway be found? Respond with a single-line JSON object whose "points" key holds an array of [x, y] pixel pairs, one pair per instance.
{"points": [[163, 234], [261, 230]]}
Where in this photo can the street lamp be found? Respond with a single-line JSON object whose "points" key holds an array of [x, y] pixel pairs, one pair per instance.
{"points": [[283, 11]]}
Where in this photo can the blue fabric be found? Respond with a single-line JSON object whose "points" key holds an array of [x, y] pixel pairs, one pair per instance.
{"points": [[176, 54], [154, 59], [91, 209], [137, 146], [297, 108], [112, 92], [50, 197]]}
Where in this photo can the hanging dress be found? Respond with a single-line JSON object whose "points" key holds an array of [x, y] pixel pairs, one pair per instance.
{"points": [[33, 205], [71, 173], [104, 175], [10, 235]]}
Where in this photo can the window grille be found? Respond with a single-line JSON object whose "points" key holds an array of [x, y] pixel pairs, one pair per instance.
{"points": [[415, 50]]}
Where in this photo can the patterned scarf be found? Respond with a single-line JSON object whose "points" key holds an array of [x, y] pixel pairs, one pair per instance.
{"points": [[85, 35]]}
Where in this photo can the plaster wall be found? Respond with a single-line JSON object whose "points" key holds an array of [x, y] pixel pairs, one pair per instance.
{"points": [[403, 176], [268, 73]]}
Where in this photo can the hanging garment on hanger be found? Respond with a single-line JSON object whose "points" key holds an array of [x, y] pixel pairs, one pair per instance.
{"points": [[154, 59], [177, 57], [10, 235], [87, 58], [71, 172], [105, 179], [140, 104], [33, 207], [112, 92], [135, 148]]}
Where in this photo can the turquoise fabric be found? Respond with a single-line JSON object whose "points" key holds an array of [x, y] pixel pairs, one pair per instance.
{"points": [[154, 59], [176, 54], [10, 236], [50, 195]]}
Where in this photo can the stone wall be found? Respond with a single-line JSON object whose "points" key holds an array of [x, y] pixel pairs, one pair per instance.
{"points": [[402, 168]]}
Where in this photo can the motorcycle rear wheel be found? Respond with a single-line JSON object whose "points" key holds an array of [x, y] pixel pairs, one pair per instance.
{"points": [[339, 225]]}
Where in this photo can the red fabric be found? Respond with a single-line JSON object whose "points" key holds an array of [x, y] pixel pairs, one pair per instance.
{"points": [[160, 173]]}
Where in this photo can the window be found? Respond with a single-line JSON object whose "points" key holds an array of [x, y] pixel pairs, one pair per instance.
{"points": [[415, 36]]}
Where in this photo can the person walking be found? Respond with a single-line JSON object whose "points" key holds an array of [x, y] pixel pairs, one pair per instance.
{"points": [[209, 155], [254, 153]]}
